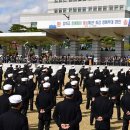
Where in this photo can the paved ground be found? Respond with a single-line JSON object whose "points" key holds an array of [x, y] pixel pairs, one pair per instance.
{"points": [[84, 125]]}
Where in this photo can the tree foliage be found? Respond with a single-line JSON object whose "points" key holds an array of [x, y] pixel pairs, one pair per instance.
{"points": [[108, 40]]}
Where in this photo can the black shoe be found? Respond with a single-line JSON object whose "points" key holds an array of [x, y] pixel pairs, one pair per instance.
{"points": [[91, 123]]}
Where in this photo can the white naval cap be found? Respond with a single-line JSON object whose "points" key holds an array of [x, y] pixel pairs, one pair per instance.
{"points": [[86, 67], [72, 67], [24, 79], [90, 75], [14, 99], [14, 68], [46, 78], [97, 81], [69, 91], [30, 64], [122, 72], [91, 71], [111, 73], [20, 72], [0, 65], [115, 78], [104, 89], [72, 76], [63, 63], [73, 83], [30, 76], [7, 87], [10, 75], [22, 67], [128, 86], [46, 85], [44, 70]]}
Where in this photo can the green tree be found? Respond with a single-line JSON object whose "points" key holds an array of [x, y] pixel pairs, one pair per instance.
{"points": [[18, 28], [108, 40]]}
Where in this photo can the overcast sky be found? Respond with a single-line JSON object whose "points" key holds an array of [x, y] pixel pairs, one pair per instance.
{"points": [[10, 10]]}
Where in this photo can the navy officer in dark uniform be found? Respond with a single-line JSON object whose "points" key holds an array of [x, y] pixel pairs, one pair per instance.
{"points": [[44, 104], [102, 109], [67, 113], [1, 75], [125, 104], [4, 101], [77, 97], [13, 119], [115, 92]]}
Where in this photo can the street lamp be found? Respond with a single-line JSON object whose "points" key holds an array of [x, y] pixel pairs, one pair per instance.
{"points": [[67, 16]]}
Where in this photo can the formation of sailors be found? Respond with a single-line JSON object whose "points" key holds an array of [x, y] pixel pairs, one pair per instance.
{"points": [[103, 88]]}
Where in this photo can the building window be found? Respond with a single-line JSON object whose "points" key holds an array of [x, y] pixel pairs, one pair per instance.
{"points": [[56, 10], [89, 8], [79, 9], [79, 0], [84, 9], [74, 0], [111, 8], [104, 8], [116, 7], [33, 24], [100, 8], [121, 7], [74, 9], [94, 8], [64, 10], [64, 0], [70, 0], [70, 10], [60, 1], [60, 10]]}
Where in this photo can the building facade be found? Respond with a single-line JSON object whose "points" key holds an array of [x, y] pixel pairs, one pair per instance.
{"points": [[81, 9]]}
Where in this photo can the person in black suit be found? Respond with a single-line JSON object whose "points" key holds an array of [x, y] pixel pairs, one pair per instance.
{"points": [[13, 119]]}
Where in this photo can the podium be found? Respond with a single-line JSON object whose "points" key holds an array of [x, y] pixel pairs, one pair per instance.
{"points": [[90, 60]]}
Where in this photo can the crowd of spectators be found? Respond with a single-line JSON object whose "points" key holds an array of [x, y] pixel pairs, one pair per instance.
{"points": [[115, 60], [77, 60]]}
